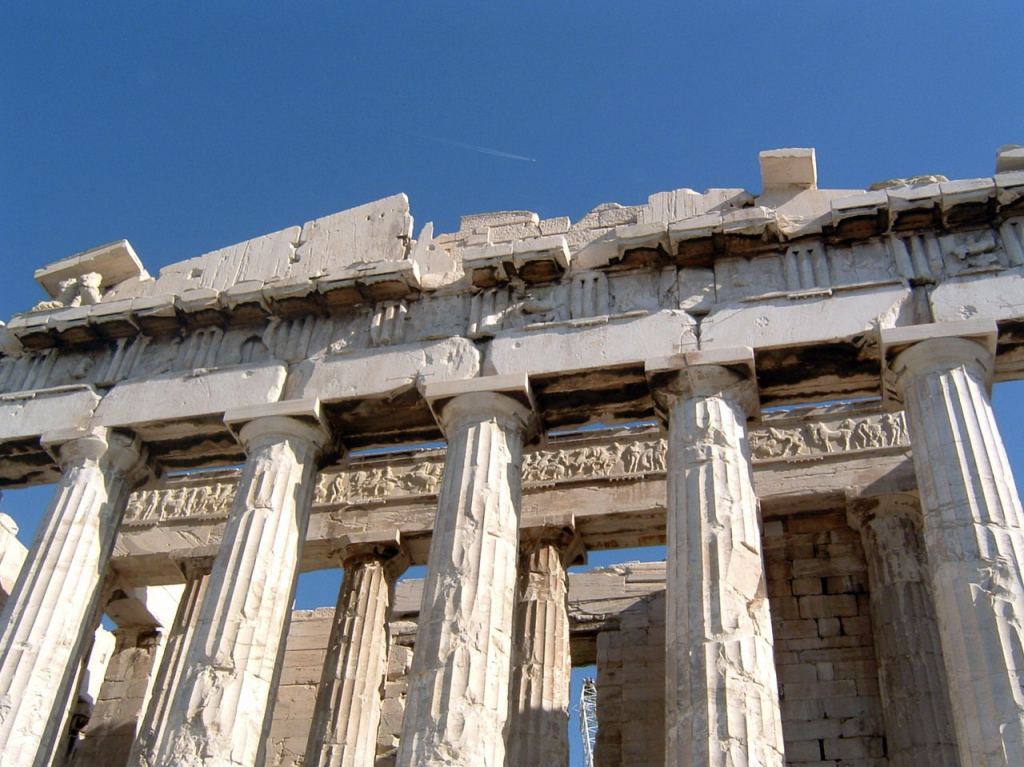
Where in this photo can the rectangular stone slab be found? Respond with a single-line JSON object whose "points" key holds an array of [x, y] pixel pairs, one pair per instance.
{"points": [[195, 394], [32, 415]]}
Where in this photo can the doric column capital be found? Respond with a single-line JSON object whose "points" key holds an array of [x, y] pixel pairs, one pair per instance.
{"points": [[386, 548], [197, 563], [301, 420], [726, 373], [911, 352], [558, 530], [862, 509], [507, 399], [121, 451]]}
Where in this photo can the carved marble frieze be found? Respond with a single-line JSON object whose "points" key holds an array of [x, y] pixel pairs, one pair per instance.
{"points": [[626, 456], [818, 437]]}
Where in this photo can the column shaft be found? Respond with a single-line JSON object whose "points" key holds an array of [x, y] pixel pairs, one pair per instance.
{"points": [[912, 677], [220, 712], [542, 664], [172, 662], [457, 706], [974, 541], [348, 704], [47, 622], [722, 695]]}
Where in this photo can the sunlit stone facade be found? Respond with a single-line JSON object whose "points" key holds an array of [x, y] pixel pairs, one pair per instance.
{"points": [[790, 391]]}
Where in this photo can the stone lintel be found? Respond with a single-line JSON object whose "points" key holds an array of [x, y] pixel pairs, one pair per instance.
{"points": [[143, 606], [701, 372], [193, 394], [895, 341], [32, 414]]}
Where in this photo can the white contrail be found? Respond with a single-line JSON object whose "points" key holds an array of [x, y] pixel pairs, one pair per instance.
{"points": [[474, 148]]}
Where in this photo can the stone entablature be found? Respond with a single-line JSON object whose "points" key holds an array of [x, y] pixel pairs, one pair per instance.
{"points": [[793, 268], [629, 454]]}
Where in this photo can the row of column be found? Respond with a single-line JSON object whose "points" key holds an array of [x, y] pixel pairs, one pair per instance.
{"points": [[722, 695]]}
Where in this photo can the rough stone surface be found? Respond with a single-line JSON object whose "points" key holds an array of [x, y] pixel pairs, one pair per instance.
{"points": [[541, 662], [973, 532], [914, 688], [722, 702], [348, 708], [631, 683], [824, 646], [219, 713], [457, 704], [348, 322], [112, 728], [168, 676], [53, 609]]}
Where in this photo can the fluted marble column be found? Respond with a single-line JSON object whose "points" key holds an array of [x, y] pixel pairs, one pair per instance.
{"points": [[973, 536], [348, 703], [220, 712], [457, 705], [541, 661], [48, 621], [911, 674], [196, 570], [722, 700]]}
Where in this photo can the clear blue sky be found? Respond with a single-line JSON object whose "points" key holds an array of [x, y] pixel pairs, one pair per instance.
{"points": [[185, 127]]}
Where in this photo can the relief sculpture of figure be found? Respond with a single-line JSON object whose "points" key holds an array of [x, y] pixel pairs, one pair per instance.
{"points": [[867, 434], [631, 458], [893, 428]]}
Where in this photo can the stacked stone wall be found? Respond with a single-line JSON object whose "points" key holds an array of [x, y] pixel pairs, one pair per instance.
{"points": [[308, 637], [296, 696], [631, 688], [824, 650], [396, 686]]}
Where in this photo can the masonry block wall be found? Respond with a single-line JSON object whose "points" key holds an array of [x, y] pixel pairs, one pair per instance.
{"points": [[824, 652], [303, 661], [631, 688]]}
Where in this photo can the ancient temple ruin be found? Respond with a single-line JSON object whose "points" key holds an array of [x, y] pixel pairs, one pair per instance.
{"points": [[790, 390]]}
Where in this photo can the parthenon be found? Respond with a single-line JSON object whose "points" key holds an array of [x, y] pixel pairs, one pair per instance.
{"points": [[788, 390]]}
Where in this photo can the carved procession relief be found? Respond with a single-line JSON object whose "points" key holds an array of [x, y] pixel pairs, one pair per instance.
{"points": [[626, 456], [374, 482], [180, 502], [872, 432], [617, 458]]}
